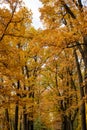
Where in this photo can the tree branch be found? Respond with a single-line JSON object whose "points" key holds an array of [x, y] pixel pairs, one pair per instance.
{"points": [[8, 22], [18, 36], [68, 10], [77, 44], [80, 4]]}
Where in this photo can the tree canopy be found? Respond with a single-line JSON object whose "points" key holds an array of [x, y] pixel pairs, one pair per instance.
{"points": [[43, 72]]}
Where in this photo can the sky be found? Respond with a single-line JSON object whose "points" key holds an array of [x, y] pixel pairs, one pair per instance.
{"points": [[34, 5]]}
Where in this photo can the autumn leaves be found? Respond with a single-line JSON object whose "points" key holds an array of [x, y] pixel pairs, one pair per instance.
{"points": [[42, 71]]}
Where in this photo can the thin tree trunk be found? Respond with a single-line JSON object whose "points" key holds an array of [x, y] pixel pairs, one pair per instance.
{"points": [[16, 117], [83, 111], [30, 125], [7, 119], [25, 125], [17, 109]]}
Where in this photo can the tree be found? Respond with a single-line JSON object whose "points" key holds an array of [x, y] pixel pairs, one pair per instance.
{"points": [[68, 16], [13, 46], [43, 72]]}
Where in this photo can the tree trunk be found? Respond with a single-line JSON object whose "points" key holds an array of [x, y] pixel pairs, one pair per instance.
{"points": [[25, 124], [83, 111], [7, 119], [16, 118], [85, 62], [30, 125], [17, 109], [67, 123]]}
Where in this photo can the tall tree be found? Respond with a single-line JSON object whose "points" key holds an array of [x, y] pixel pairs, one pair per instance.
{"points": [[69, 18]]}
